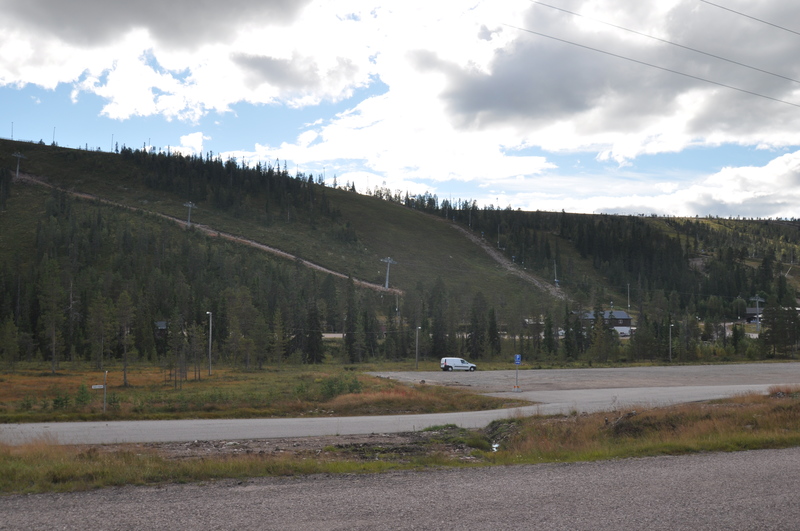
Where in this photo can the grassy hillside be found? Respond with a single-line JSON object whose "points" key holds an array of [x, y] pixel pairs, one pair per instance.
{"points": [[672, 270], [423, 246]]}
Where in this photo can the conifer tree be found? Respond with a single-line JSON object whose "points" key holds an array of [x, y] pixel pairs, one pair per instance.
{"points": [[478, 326], [9, 342], [493, 333], [314, 347], [100, 323], [278, 341], [51, 302], [125, 316]]}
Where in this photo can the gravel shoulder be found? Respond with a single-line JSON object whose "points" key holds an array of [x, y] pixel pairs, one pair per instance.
{"points": [[736, 491]]}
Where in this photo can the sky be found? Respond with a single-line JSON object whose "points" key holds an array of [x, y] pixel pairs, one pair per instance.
{"points": [[675, 107]]}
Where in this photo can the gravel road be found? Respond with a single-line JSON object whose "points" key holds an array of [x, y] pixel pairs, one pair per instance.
{"points": [[736, 491]]}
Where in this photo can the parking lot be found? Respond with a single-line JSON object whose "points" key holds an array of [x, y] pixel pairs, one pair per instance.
{"points": [[533, 383]]}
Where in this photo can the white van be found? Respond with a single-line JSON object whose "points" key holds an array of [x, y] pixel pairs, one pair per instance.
{"points": [[456, 364]]}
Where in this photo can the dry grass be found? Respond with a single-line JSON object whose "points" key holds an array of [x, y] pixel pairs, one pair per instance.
{"points": [[45, 467], [743, 423], [746, 422]]}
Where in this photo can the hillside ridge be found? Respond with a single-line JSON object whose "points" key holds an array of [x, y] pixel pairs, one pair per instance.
{"points": [[209, 231]]}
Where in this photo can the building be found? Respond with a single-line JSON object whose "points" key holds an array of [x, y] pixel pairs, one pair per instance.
{"points": [[619, 320]]}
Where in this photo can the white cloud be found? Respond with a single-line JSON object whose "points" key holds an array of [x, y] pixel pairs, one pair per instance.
{"points": [[192, 144], [772, 190], [466, 91]]}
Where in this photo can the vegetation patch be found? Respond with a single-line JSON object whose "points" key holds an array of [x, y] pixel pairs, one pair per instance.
{"points": [[25, 396]]}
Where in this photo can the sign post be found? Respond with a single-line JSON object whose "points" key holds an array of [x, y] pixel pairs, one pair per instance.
{"points": [[103, 387], [517, 361]]}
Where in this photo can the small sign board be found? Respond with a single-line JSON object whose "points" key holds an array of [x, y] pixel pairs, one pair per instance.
{"points": [[517, 359], [98, 386]]}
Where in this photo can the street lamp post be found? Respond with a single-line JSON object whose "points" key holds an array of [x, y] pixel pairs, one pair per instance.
{"points": [[210, 321], [416, 363], [670, 342]]}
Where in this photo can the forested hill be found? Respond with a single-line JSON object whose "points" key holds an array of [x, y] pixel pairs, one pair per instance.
{"points": [[86, 280]]}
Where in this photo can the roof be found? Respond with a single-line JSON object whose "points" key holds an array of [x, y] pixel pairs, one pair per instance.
{"points": [[607, 314]]}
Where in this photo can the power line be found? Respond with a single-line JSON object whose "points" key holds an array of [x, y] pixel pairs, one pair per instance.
{"points": [[750, 17], [666, 41], [745, 91]]}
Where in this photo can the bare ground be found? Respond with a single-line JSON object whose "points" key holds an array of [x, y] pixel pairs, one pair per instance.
{"points": [[447, 440]]}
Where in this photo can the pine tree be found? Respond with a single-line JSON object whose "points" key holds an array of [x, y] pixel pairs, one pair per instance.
{"points": [[351, 320], [100, 323], [438, 312], [9, 342], [314, 347], [125, 316], [549, 344], [569, 343], [51, 299], [279, 341], [476, 335], [494, 334]]}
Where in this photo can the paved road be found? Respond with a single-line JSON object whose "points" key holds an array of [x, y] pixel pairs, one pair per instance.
{"points": [[554, 391], [737, 491]]}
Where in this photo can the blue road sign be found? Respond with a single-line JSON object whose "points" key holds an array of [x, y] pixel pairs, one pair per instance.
{"points": [[517, 359]]}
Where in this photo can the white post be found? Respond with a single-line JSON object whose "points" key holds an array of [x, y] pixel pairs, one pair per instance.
{"points": [[105, 389], [416, 362], [210, 322]]}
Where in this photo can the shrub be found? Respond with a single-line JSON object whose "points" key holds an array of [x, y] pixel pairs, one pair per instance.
{"points": [[61, 401], [337, 385], [114, 401], [26, 404], [83, 396]]}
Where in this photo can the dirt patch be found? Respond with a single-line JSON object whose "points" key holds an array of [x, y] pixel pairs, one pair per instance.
{"points": [[449, 441]]}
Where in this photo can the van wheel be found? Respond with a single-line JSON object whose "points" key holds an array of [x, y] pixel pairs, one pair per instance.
{"points": [[472, 369], [449, 368]]}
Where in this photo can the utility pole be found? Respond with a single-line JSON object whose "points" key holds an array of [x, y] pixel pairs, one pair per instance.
{"points": [[389, 263], [191, 206], [19, 156], [555, 272], [757, 299]]}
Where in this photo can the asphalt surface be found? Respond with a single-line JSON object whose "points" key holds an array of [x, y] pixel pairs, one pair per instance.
{"points": [[736, 491], [552, 391]]}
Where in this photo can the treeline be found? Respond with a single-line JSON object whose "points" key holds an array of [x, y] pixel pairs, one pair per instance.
{"points": [[686, 279], [229, 185], [111, 286], [708, 268]]}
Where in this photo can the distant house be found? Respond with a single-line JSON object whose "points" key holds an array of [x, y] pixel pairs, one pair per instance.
{"points": [[612, 318], [751, 314], [619, 320]]}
